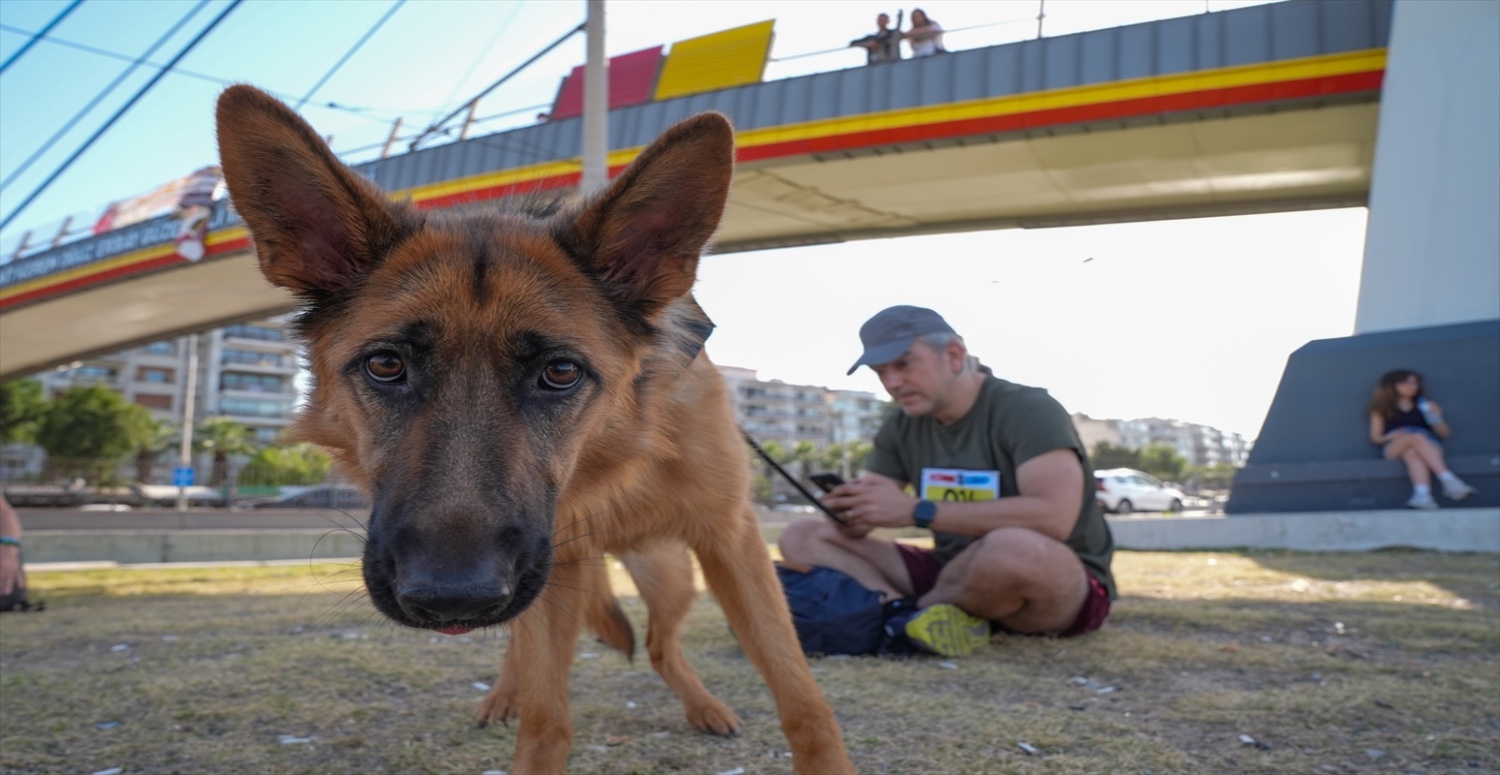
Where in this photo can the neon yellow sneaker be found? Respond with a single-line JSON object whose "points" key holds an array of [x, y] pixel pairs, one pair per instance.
{"points": [[946, 630]]}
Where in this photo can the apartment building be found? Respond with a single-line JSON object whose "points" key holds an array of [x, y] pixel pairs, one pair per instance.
{"points": [[776, 411], [1199, 444], [772, 410], [853, 415], [1091, 431], [246, 372]]}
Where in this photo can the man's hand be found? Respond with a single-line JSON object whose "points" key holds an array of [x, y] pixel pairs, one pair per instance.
{"points": [[871, 501], [846, 528], [854, 532]]}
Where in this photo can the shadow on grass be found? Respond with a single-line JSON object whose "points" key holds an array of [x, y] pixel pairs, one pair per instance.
{"points": [[1471, 576]]}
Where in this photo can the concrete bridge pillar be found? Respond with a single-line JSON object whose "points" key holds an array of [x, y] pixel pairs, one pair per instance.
{"points": [[1432, 247], [1429, 296]]}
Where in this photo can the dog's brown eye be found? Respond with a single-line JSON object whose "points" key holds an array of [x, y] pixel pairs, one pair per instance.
{"points": [[561, 375], [385, 367]]}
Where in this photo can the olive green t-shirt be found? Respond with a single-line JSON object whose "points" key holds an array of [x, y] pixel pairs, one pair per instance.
{"points": [[1008, 425]]}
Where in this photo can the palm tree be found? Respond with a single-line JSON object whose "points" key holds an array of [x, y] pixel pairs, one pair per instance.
{"points": [[159, 437], [223, 437], [775, 451], [806, 456]]}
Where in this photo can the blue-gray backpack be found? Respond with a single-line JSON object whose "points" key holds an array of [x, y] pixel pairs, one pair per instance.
{"points": [[834, 614]]}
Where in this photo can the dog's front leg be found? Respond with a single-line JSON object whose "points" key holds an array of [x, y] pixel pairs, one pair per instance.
{"points": [[546, 636], [739, 571], [500, 704]]}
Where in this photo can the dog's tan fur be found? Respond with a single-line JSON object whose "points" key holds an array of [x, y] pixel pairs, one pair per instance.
{"points": [[492, 485]]}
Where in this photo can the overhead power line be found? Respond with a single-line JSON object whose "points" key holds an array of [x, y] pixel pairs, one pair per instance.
{"points": [[355, 109], [34, 38], [58, 135], [56, 41], [484, 53], [348, 54], [445, 119], [480, 120], [122, 111]]}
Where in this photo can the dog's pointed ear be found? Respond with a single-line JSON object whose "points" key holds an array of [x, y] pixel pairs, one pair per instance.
{"points": [[643, 235], [318, 226]]}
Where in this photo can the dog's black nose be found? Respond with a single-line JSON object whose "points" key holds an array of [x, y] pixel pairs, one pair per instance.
{"points": [[436, 602]]}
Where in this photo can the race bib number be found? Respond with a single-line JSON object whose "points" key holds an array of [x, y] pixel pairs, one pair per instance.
{"points": [[956, 484]]}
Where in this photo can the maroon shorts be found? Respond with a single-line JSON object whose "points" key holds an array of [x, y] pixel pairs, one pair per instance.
{"points": [[924, 567]]}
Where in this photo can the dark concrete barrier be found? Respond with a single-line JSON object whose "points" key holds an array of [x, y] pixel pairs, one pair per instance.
{"points": [[1314, 451]]}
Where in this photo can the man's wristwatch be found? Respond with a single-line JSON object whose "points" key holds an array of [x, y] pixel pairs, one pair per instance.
{"points": [[923, 514]]}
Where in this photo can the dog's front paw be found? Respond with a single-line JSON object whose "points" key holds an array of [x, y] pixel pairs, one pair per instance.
{"points": [[499, 705], [714, 717]]}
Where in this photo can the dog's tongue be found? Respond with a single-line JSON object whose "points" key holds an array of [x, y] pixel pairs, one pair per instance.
{"points": [[454, 630]]}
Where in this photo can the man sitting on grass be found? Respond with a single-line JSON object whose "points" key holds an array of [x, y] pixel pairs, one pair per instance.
{"points": [[1020, 544]]}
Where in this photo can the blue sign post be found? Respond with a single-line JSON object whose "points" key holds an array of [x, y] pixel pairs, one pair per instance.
{"points": [[182, 476]]}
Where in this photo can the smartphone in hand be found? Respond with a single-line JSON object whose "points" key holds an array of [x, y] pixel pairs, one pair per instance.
{"points": [[826, 482]]}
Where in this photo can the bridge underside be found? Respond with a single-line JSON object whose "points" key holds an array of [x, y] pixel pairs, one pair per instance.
{"points": [[1209, 163], [1221, 162], [137, 311]]}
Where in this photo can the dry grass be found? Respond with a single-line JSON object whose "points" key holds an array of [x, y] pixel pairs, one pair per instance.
{"points": [[1380, 662]]}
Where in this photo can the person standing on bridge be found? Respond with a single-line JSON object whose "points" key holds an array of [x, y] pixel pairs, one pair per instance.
{"points": [[925, 36], [1406, 424], [1001, 479], [884, 45]]}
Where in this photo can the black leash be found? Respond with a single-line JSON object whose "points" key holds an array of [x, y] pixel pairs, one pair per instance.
{"points": [[808, 495]]}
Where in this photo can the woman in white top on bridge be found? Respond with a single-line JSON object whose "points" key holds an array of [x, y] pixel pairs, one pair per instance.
{"points": [[925, 35]]}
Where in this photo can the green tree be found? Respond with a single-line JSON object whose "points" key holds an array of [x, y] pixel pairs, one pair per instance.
{"points": [[160, 437], [760, 488], [764, 476], [22, 407], [859, 454], [805, 457], [1107, 455], [301, 463], [831, 457], [222, 437], [1163, 462], [88, 430], [1219, 476]]}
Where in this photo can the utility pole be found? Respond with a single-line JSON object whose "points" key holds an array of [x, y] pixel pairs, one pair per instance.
{"points": [[595, 104], [463, 134], [390, 141], [185, 458], [1041, 13]]}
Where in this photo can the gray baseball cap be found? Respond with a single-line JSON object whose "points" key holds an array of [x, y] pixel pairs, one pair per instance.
{"points": [[888, 335]]}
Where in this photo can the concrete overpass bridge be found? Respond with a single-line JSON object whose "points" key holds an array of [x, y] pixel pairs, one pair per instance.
{"points": [[1267, 108]]}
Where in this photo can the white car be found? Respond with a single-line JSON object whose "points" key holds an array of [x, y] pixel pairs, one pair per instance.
{"points": [[1124, 490]]}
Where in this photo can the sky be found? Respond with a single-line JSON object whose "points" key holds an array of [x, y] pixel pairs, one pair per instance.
{"points": [[1186, 319]]}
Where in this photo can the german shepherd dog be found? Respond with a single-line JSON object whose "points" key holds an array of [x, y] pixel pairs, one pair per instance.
{"points": [[520, 394]]}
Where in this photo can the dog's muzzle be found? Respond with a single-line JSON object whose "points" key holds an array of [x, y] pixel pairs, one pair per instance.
{"points": [[455, 586]]}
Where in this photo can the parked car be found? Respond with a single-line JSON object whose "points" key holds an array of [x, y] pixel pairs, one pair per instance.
{"points": [[165, 495], [1124, 490], [323, 496]]}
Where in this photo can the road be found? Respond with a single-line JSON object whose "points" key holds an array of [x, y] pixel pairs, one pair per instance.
{"points": [[196, 519]]}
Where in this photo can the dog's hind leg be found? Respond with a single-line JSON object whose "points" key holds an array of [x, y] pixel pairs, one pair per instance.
{"points": [[738, 569], [664, 575]]}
